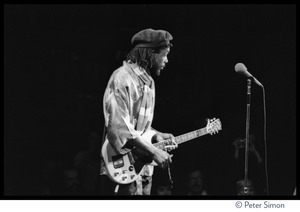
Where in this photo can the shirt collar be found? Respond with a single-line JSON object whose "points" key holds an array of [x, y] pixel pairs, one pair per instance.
{"points": [[140, 72]]}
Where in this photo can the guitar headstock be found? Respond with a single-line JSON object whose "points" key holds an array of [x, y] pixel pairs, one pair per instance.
{"points": [[213, 126]]}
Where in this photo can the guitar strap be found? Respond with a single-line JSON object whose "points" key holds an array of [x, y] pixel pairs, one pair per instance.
{"points": [[170, 177]]}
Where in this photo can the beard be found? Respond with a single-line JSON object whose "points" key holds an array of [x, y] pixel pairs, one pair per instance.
{"points": [[156, 70]]}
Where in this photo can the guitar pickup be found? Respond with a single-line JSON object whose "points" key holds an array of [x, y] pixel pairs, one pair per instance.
{"points": [[118, 161]]}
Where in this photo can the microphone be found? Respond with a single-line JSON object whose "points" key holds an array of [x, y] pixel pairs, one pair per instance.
{"points": [[241, 69]]}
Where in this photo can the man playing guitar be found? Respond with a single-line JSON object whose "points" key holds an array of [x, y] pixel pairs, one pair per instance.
{"points": [[128, 105]]}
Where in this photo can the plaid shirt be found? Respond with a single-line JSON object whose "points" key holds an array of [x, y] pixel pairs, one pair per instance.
{"points": [[128, 106]]}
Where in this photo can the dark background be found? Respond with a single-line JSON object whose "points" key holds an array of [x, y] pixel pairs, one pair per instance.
{"points": [[58, 59]]}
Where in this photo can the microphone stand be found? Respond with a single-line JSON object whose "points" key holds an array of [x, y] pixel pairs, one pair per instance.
{"points": [[247, 136]]}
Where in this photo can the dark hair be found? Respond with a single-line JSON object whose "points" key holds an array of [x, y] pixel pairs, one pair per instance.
{"points": [[142, 56]]}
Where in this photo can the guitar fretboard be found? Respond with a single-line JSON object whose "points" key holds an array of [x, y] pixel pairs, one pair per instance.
{"points": [[184, 137], [191, 135]]}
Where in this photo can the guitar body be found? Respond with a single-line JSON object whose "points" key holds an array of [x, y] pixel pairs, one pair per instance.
{"points": [[123, 168]]}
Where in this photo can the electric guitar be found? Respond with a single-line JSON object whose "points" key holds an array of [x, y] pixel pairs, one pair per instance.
{"points": [[125, 168]]}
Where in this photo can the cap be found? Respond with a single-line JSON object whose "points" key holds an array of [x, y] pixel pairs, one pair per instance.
{"points": [[152, 38]]}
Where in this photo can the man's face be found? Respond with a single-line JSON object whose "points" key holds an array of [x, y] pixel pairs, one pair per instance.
{"points": [[71, 179], [163, 191], [160, 59], [195, 182]]}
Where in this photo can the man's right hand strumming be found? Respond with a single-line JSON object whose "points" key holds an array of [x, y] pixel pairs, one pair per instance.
{"points": [[160, 157]]}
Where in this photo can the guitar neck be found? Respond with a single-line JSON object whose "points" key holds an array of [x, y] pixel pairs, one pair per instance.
{"points": [[184, 137], [190, 135]]}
